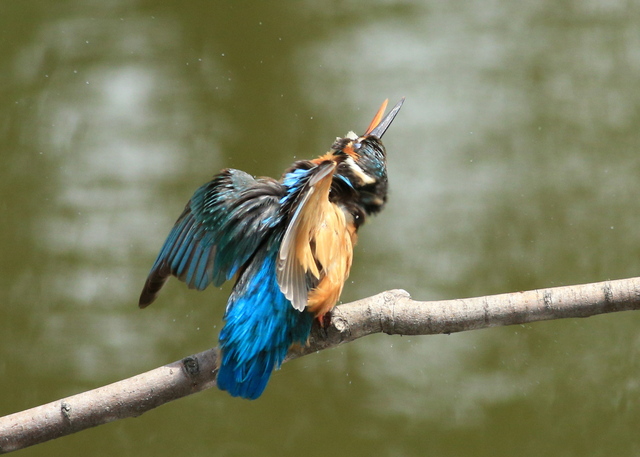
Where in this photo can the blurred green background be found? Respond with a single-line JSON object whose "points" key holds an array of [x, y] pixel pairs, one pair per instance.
{"points": [[514, 165]]}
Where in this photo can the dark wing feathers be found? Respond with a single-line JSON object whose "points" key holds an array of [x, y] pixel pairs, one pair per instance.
{"points": [[221, 227]]}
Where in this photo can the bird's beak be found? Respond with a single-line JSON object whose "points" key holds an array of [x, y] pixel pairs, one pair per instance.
{"points": [[378, 125]]}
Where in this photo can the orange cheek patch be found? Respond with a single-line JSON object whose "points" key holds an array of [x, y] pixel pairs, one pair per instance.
{"points": [[350, 152], [324, 158]]}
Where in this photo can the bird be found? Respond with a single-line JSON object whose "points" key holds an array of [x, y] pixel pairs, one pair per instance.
{"points": [[288, 244]]}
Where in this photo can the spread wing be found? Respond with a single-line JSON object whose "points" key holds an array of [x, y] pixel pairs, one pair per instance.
{"points": [[316, 250], [220, 228]]}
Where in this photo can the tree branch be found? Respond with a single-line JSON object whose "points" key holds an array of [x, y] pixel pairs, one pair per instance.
{"points": [[392, 312]]}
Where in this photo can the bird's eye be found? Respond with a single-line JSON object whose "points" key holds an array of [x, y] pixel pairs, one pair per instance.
{"points": [[356, 146]]}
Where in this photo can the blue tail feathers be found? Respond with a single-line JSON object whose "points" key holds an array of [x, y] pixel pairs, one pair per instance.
{"points": [[261, 325]]}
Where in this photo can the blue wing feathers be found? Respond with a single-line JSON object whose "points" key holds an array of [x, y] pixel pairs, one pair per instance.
{"points": [[260, 327], [261, 323], [220, 229], [232, 226]]}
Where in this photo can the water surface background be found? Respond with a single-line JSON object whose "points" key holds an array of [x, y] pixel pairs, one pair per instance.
{"points": [[514, 165]]}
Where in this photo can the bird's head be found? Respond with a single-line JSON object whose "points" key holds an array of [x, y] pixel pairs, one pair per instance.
{"points": [[363, 159]]}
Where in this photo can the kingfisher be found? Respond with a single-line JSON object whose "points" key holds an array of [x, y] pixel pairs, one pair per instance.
{"points": [[288, 243]]}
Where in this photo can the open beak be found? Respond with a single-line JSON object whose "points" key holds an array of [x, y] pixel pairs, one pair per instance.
{"points": [[378, 125]]}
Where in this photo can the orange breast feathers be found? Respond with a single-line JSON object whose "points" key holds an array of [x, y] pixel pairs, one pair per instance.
{"points": [[323, 246], [332, 244]]}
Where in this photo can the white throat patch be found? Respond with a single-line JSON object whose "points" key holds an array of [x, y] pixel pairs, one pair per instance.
{"points": [[365, 178]]}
